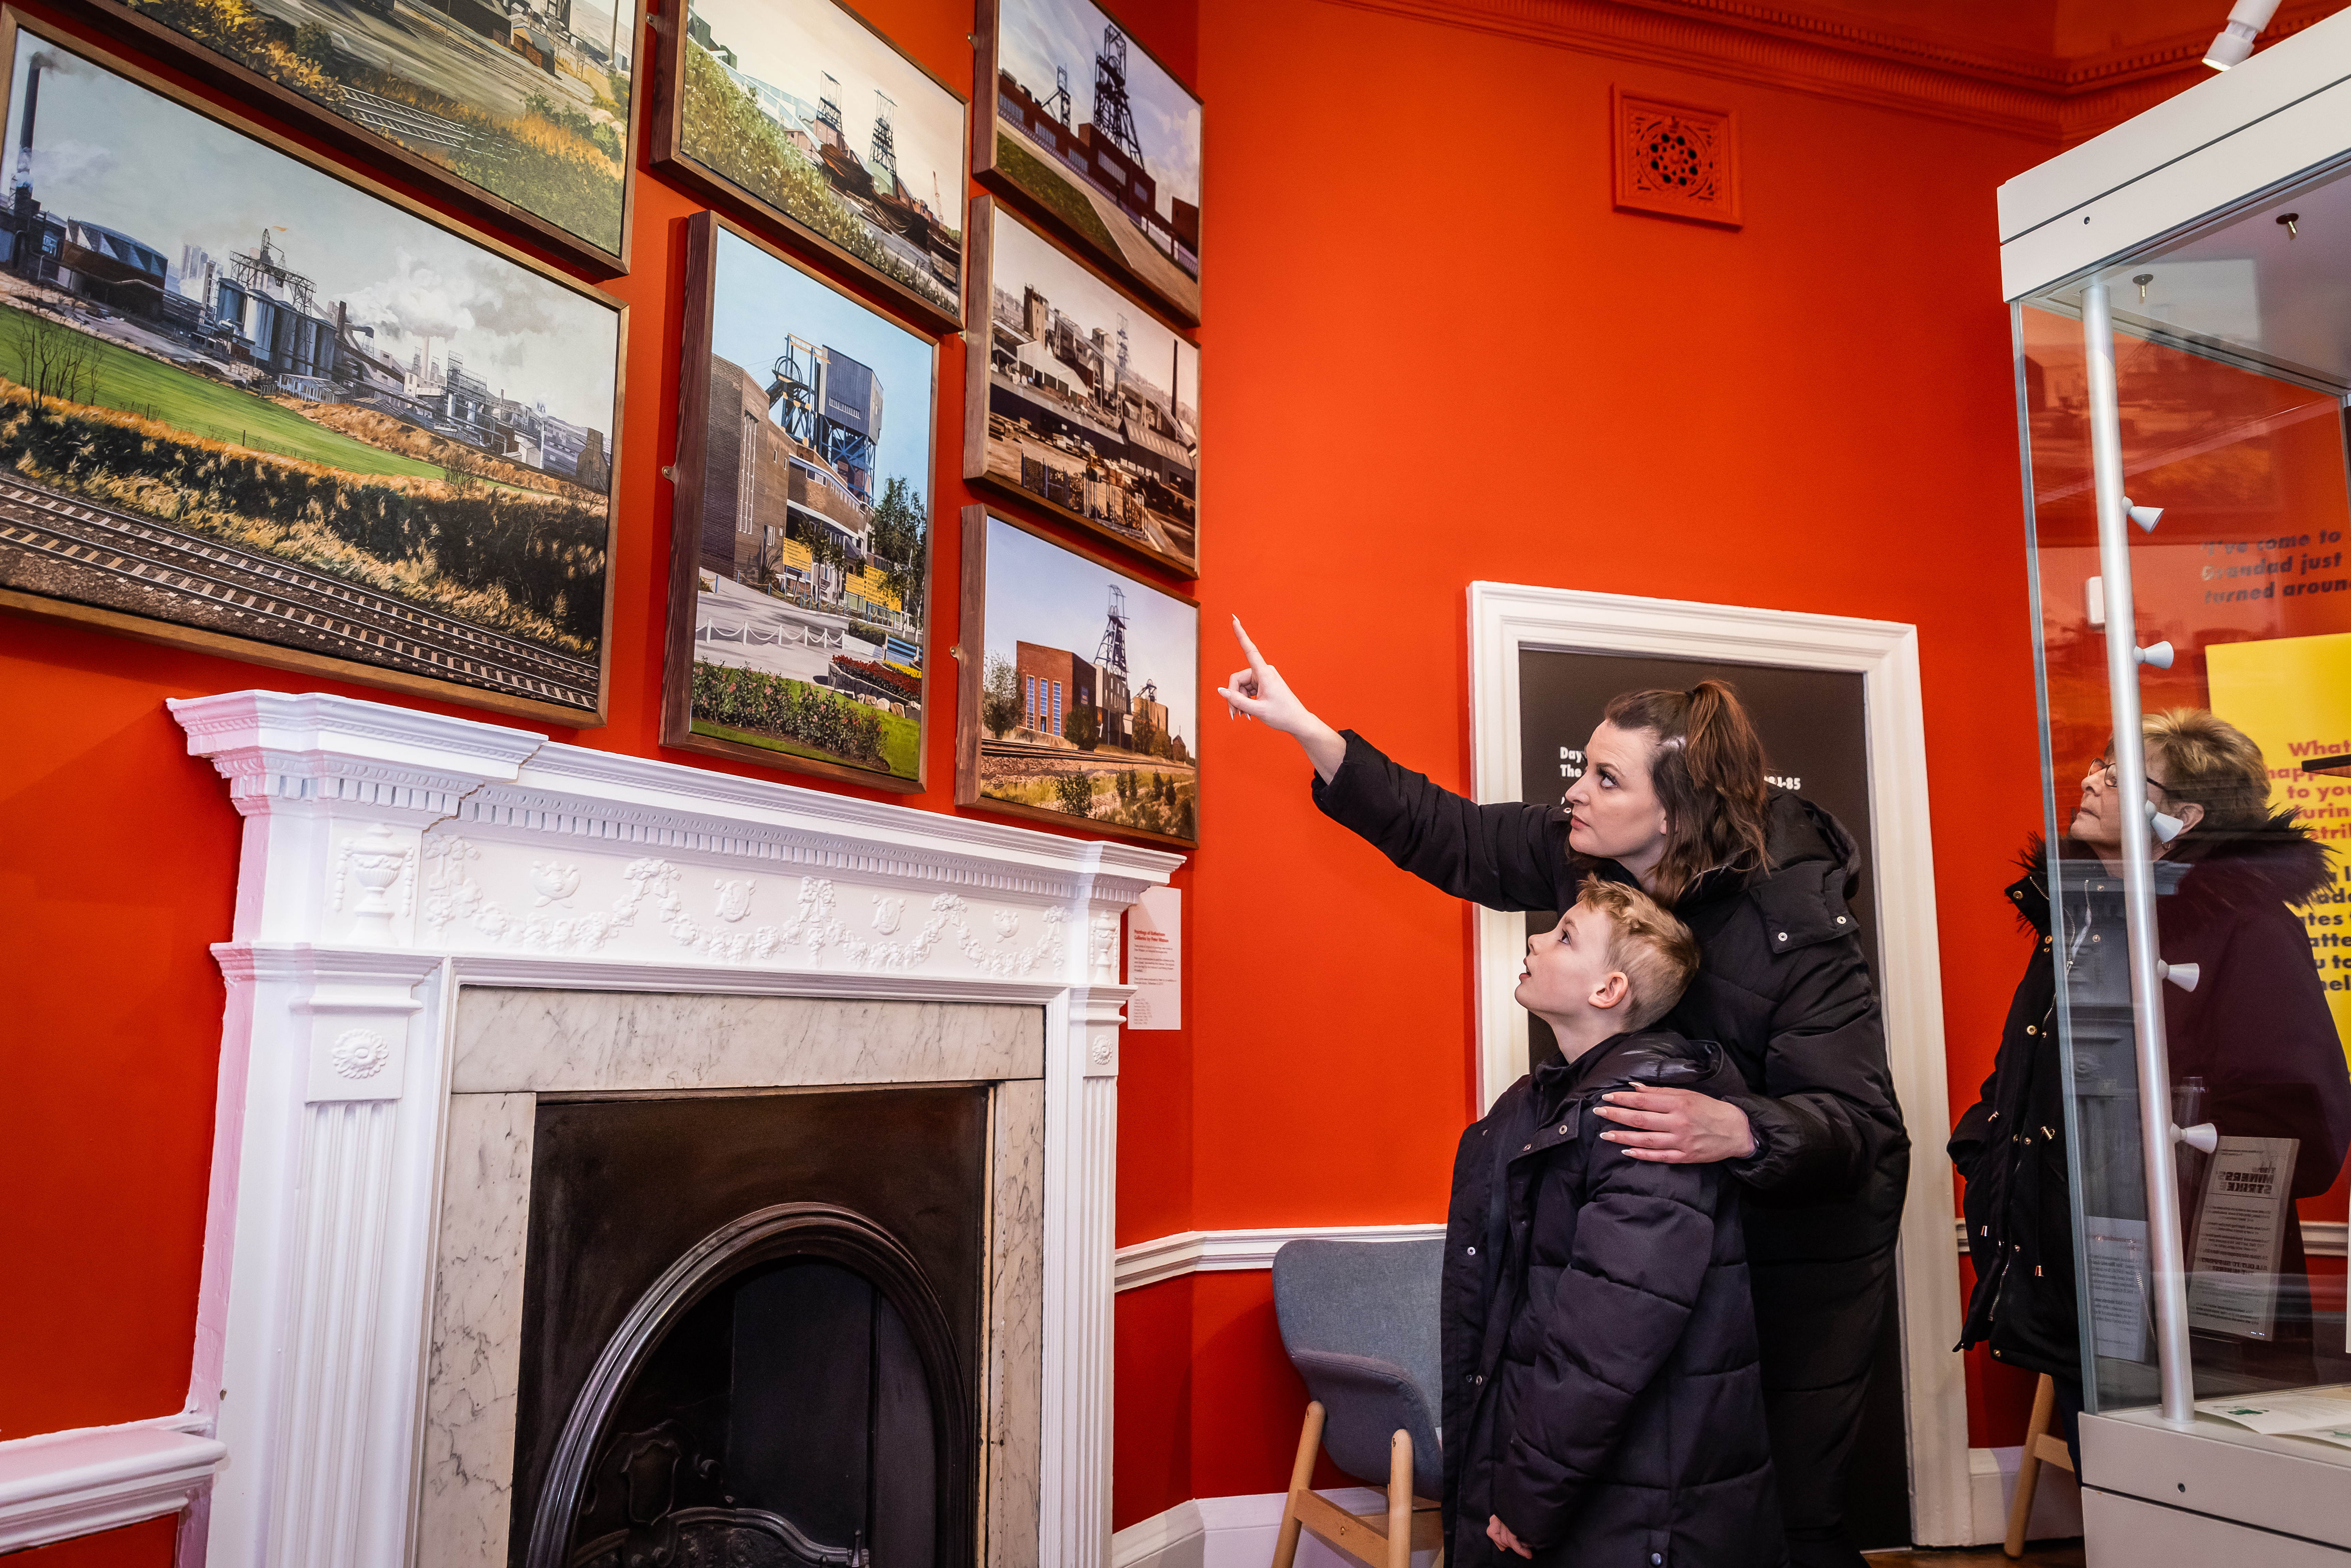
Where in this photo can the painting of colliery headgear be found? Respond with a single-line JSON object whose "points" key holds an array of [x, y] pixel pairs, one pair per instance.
{"points": [[1083, 403], [801, 538], [519, 109], [800, 110], [246, 404], [1081, 122], [1080, 687]]}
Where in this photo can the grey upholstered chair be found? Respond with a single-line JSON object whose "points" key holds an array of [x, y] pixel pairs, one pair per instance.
{"points": [[1359, 1320]]}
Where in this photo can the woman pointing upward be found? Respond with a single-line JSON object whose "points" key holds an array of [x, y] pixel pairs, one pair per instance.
{"points": [[1673, 800]]}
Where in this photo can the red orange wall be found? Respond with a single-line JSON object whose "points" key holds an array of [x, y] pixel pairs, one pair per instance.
{"points": [[1433, 354], [1439, 356]]}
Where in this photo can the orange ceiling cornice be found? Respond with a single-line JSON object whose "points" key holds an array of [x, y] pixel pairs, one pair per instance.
{"points": [[1840, 56]]}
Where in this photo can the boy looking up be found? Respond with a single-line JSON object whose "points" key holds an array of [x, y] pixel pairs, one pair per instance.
{"points": [[1603, 1400]]}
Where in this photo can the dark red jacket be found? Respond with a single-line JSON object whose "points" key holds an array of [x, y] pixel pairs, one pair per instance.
{"points": [[2256, 1029]]}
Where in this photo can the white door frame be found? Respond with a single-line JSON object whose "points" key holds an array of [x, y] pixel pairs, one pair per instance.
{"points": [[1504, 619]]}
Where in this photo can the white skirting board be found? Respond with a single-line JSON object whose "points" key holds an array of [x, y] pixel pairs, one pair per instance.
{"points": [[1238, 1531], [1234, 1533]]}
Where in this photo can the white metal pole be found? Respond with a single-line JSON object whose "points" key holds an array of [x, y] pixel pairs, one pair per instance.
{"points": [[2156, 1130]]}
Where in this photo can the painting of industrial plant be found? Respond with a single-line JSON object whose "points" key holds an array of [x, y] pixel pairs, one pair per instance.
{"points": [[1084, 403], [1080, 687], [247, 405], [526, 101], [1082, 121], [800, 569], [800, 109]]}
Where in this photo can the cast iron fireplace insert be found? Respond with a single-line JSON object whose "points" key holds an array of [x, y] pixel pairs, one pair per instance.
{"points": [[751, 1330]]}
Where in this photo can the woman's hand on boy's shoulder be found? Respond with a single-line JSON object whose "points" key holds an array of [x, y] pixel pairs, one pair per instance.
{"points": [[1675, 1127], [1500, 1534]]}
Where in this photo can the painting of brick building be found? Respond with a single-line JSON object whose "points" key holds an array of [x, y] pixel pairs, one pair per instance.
{"points": [[1083, 700]]}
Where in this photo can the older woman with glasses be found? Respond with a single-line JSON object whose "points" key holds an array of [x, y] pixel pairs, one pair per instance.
{"points": [[2256, 1031]]}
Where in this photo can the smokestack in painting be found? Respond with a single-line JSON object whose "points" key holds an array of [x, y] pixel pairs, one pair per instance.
{"points": [[25, 137]]}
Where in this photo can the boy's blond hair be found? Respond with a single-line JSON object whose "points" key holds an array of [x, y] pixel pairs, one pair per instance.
{"points": [[1655, 952]]}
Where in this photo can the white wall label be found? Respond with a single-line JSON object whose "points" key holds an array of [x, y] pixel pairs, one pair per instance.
{"points": [[1155, 959]]}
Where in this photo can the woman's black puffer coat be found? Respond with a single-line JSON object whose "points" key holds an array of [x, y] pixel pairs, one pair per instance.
{"points": [[2256, 1029], [1783, 988], [1601, 1389]]}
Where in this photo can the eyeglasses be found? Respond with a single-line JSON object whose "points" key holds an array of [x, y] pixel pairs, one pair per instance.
{"points": [[2103, 771]]}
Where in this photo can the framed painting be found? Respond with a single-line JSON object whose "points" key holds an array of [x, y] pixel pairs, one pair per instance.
{"points": [[517, 112], [800, 534], [260, 406], [1091, 132], [1078, 401], [1079, 688], [799, 111]]}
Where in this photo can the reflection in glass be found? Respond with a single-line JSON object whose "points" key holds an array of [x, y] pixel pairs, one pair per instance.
{"points": [[2233, 356]]}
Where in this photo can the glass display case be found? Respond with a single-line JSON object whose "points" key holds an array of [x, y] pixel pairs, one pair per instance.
{"points": [[2188, 485]]}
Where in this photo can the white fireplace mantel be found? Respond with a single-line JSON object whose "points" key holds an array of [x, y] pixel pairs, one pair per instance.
{"points": [[392, 857]]}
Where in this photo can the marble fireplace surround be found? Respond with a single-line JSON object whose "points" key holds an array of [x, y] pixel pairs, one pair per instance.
{"points": [[405, 877], [513, 1046]]}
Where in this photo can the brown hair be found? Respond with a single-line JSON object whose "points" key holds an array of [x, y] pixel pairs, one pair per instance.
{"points": [[2212, 762], [1655, 952], [1708, 771]]}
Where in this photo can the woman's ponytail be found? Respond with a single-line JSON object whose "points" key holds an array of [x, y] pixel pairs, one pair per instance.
{"points": [[1709, 772]]}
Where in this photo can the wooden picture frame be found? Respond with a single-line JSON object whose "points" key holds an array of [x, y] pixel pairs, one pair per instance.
{"points": [[1058, 419], [791, 484], [673, 143], [1155, 802], [322, 558], [1033, 154], [469, 135]]}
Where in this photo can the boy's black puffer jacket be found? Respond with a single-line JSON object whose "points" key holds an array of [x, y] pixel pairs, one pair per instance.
{"points": [[1601, 1370]]}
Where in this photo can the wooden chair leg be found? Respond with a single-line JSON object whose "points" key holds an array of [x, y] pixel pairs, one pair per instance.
{"points": [[2028, 1466], [1301, 1475], [1400, 1499]]}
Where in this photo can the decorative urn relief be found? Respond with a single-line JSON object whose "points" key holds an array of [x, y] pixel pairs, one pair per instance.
{"points": [[441, 923]]}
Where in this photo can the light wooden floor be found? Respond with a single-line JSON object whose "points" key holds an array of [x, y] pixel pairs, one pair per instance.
{"points": [[2037, 1554]]}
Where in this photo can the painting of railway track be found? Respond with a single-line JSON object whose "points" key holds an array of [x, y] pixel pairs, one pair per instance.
{"points": [[519, 109], [248, 406], [799, 565], [800, 110], [1078, 121], [1079, 687], [1083, 403]]}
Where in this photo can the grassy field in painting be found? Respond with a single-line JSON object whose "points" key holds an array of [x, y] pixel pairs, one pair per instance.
{"points": [[131, 383]]}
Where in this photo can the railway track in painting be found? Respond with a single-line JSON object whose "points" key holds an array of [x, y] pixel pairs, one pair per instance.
{"points": [[121, 561]]}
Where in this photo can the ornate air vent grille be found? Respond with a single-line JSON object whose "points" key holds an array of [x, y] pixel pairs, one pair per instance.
{"points": [[1676, 160]]}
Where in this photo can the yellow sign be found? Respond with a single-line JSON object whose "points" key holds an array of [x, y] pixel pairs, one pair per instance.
{"points": [[2293, 696]]}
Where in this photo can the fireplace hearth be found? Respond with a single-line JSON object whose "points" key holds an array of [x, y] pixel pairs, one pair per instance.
{"points": [[750, 1326]]}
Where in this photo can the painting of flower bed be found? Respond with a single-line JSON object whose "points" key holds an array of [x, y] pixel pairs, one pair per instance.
{"points": [[1089, 691], [800, 106], [809, 529], [528, 99], [242, 400]]}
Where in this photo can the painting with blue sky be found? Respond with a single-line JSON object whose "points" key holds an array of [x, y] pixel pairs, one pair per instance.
{"points": [[1101, 137], [1089, 691], [810, 521]]}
